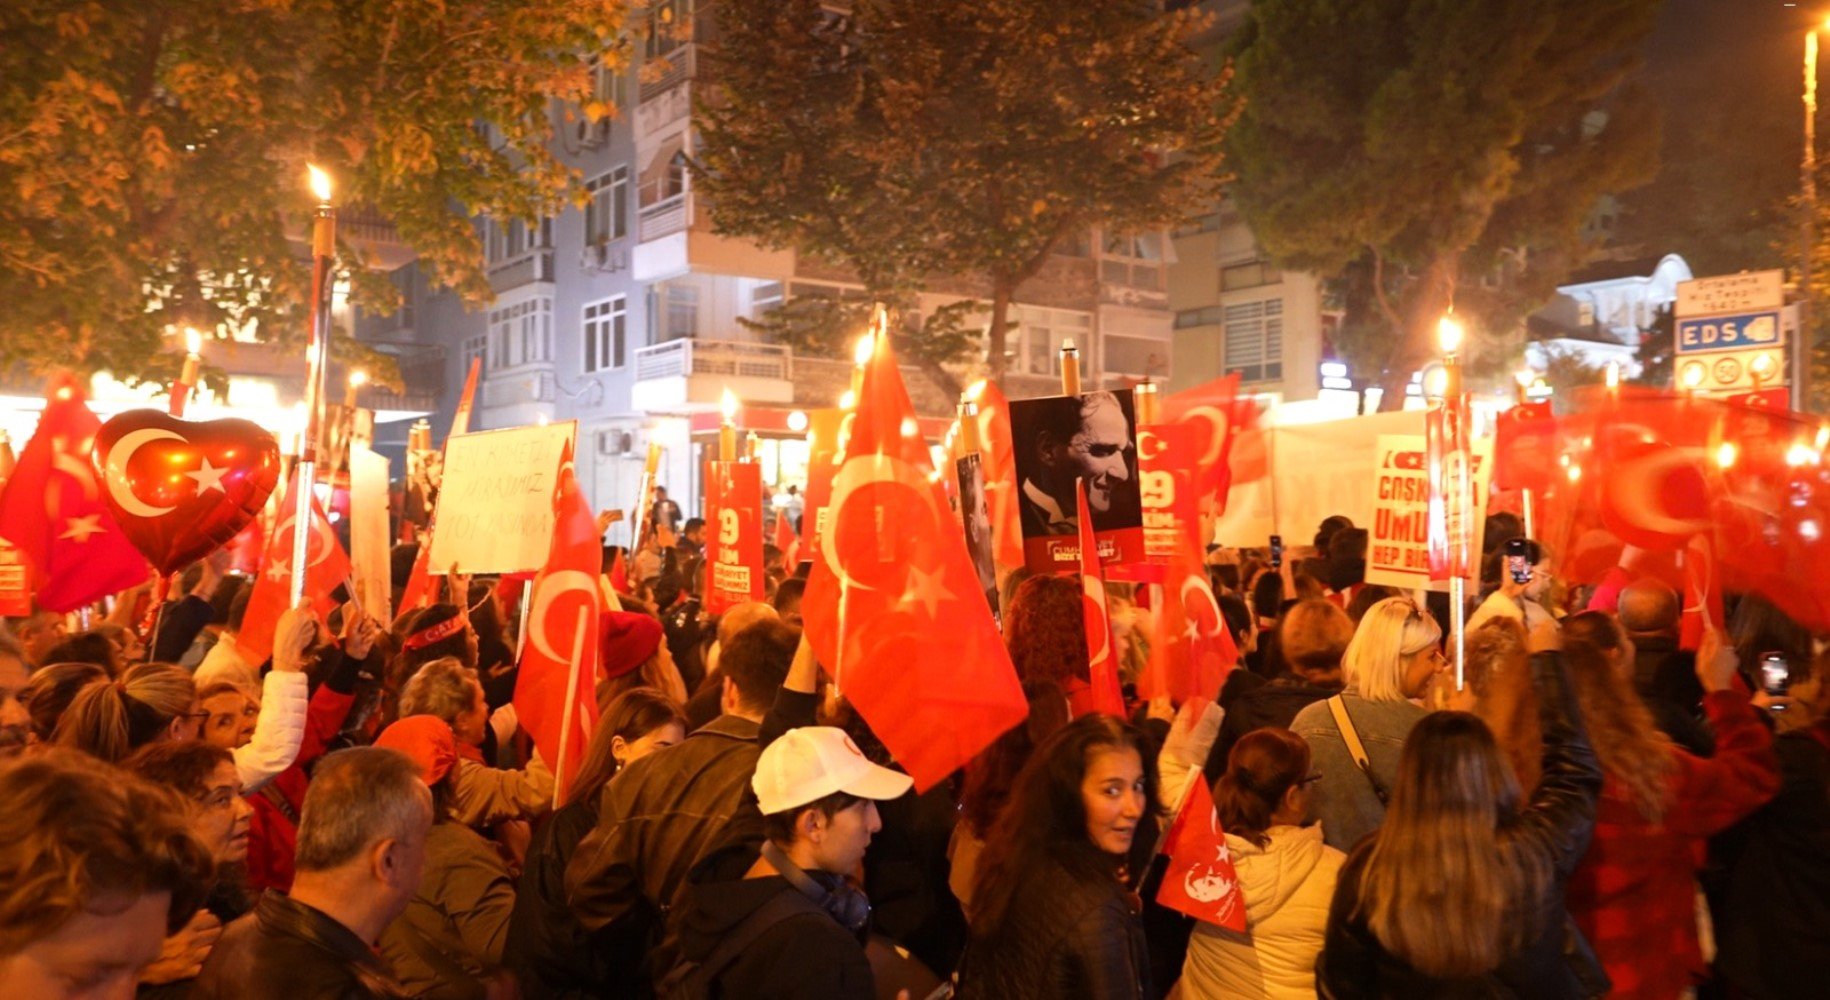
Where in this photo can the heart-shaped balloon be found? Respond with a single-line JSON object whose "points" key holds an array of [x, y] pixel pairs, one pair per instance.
{"points": [[180, 489]]}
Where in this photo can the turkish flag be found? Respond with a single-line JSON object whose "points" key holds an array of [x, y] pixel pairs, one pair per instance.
{"points": [[1771, 510], [1192, 650], [555, 693], [1525, 448], [893, 575], [421, 591], [1220, 416], [326, 567], [15, 575], [999, 457], [1103, 693], [1201, 880], [787, 541], [52, 509]]}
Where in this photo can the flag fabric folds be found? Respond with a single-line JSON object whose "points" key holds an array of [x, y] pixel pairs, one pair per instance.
{"points": [[1103, 693], [326, 567], [52, 510], [893, 607], [555, 690], [1192, 650]]}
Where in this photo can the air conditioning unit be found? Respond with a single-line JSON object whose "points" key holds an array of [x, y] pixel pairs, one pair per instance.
{"points": [[593, 134], [615, 443]]}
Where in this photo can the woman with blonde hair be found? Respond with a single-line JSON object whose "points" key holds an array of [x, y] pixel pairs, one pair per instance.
{"points": [[480, 795], [1357, 735], [1460, 891], [111, 719], [1634, 895]]}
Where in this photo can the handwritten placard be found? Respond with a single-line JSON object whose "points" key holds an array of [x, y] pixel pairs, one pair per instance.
{"points": [[495, 506]]}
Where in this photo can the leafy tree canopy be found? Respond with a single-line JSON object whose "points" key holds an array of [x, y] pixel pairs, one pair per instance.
{"points": [[152, 153], [909, 138], [1415, 148]]}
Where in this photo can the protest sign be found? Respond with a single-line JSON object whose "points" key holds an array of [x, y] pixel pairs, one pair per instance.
{"points": [[369, 544], [733, 535], [1398, 551], [1088, 438], [1166, 460], [1316, 470], [495, 506]]}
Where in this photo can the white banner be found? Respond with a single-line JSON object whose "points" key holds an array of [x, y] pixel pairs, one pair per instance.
{"points": [[495, 504], [368, 532]]}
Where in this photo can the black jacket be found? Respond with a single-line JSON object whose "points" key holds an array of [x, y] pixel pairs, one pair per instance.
{"points": [[806, 955], [1273, 703], [1064, 939], [549, 950], [1555, 825], [1773, 910], [1666, 678], [288, 949]]}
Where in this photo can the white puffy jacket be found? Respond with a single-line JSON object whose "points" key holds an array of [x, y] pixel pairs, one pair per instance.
{"points": [[1288, 885], [278, 730]]}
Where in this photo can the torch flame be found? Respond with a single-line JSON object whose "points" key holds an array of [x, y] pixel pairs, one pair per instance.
{"points": [[358, 378], [1449, 334], [193, 341], [728, 405], [320, 182]]}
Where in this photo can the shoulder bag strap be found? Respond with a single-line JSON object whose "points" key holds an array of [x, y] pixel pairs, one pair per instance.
{"points": [[1355, 749]]}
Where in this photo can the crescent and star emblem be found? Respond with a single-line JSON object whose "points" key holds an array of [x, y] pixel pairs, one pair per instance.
{"points": [[115, 468], [1640, 506], [860, 471], [326, 539], [1204, 598], [551, 586], [1217, 422]]}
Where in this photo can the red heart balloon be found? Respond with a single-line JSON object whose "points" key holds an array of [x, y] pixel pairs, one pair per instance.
{"points": [[181, 489]]}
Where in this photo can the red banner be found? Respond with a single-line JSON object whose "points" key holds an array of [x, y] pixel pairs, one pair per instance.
{"points": [[15, 576], [1166, 456], [733, 534]]}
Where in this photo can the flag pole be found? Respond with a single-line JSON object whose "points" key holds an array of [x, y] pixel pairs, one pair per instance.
{"points": [[317, 356], [571, 706]]}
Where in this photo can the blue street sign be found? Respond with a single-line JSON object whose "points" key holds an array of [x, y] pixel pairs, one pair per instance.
{"points": [[1727, 333]]}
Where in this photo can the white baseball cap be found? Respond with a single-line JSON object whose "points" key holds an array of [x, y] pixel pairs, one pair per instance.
{"points": [[807, 764]]}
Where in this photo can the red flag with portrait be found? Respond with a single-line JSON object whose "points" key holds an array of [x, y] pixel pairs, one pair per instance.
{"points": [[1201, 880], [326, 567], [52, 510], [893, 575], [555, 690]]}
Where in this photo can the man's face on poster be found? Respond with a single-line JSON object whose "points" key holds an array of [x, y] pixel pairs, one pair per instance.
{"points": [[1096, 454]]}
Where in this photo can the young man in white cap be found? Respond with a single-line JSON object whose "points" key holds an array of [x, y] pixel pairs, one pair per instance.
{"points": [[787, 923]]}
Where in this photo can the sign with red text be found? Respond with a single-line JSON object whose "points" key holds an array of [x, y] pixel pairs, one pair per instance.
{"points": [[733, 535], [1166, 458], [1398, 551]]}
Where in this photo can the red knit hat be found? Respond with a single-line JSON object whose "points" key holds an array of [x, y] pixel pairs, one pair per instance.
{"points": [[625, 641], [428, 740]]}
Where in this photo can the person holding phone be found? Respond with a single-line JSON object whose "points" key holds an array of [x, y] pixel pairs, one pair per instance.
{"points": [[1515, 578]]}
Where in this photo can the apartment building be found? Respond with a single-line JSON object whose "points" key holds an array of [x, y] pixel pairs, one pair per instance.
{"points": [[625, 316]]}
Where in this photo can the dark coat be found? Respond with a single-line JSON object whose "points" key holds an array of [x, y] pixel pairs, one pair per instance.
{"points": [[288, 949], [1666, 679], [548, 949], [1273, 703], [1064, 939], [806, 955], [1555, 825]]}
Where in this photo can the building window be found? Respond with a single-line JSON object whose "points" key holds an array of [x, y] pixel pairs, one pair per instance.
{"points": [[506, 241], [521, 334], [1210, 316], [673, 312], [1041, 332], [765, 298], [1255, 340], [606, 325], [607, 216], [1250, 274], [474, 349], [1135, 260], [609, 84], [670, 25]]}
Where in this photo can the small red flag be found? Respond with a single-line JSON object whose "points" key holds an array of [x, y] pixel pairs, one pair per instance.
{"points": [[787, 541], [1525, 448], [555, 696], [893, 575], [1200, 880], [52, 510], [998, 454], [326, 566], [1215, 410], [1103, 693], [1193, 649]]}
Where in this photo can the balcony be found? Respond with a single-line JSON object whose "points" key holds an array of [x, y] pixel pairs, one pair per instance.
{"points": [[666, 217], [691, 374], [657, 113], [525, 269], [663, 73]]}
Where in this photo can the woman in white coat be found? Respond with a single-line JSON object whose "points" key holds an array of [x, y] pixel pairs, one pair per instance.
{"points": [[1285, 872]]}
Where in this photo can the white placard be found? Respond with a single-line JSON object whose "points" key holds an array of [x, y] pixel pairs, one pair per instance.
{"points": [[368, 532], [1398, 549], [495, 505]]}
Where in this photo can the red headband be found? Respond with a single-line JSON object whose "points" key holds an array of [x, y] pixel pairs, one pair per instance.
{"points": [[428, 636]]}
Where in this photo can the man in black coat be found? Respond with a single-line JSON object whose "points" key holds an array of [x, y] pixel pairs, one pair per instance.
{"points": [[1664, 675]]}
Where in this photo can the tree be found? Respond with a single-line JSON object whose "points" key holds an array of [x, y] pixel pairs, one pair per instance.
{"points": [[1657, 351], [152, 154], [909, 139], [1422, 148], [1567, 370]]}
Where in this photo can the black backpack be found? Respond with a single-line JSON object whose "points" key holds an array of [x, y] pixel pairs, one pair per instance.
{"points": [[689, 980]]}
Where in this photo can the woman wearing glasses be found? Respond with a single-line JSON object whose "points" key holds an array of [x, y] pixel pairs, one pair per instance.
{"points": [[1286, 875], [1357, 735]]}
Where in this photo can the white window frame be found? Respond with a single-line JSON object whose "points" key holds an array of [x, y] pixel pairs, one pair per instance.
{"points": [[607, 214], [521, 332], [1040, 333], [1259, 325], [606, 334]]}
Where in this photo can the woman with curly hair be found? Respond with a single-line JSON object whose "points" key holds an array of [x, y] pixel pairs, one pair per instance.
{"points": [[1634, 895], [1043, 630], [1052, 915]]}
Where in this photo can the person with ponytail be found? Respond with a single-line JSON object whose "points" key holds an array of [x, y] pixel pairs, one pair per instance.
{"points": [[1634, 896], [110, 719], [1286, 874], [1460, 890]]}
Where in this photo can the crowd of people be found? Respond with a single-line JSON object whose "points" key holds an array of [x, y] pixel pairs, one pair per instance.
{"points": [[1597, 811]]}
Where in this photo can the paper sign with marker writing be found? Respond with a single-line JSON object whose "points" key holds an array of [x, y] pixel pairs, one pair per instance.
{"points": [[495, 506]]}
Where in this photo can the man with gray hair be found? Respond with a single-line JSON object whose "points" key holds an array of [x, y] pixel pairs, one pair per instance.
{"points": [[1664, 674], [362, 848]]}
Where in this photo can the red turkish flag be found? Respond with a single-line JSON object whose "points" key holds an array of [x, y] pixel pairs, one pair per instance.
{"points": [[999, 458], [1771, 510], [1221, 417], [555, 693], [893, 575], [1525, 448], [1103, 693], [52, 509], [15, 574], [1200, 880], [326, 568], [1192, 650], [786, 540], [421, 591]]}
